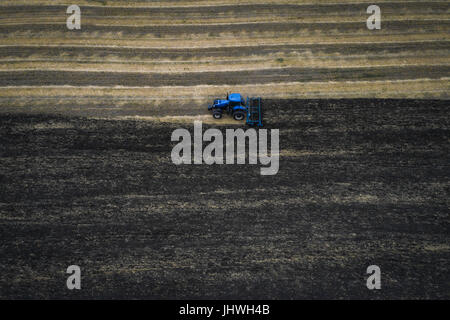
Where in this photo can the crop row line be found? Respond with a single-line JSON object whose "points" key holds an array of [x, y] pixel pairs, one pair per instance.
{"points": [[367, 44], [133, 23], [170, 68], [198, 3], [89, 78]]}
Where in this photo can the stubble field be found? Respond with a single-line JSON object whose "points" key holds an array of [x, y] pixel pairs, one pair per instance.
{"points": [[292, 49]]}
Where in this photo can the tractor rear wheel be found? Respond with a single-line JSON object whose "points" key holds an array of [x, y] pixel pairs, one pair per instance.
{"points": [[239, 115], [217, 115]]}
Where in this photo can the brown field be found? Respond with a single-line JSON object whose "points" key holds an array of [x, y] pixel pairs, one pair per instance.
{"points": [[361, 182], [85, 171], [201, 43]]}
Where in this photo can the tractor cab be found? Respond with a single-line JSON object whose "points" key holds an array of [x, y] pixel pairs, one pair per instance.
{"points": [[236, 99]]}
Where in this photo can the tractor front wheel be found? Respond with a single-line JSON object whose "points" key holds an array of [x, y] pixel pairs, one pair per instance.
{"points": [[217, 115], [239, 115]]}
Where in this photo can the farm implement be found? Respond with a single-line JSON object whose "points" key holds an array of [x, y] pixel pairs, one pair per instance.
{"points": [[239, 108]]}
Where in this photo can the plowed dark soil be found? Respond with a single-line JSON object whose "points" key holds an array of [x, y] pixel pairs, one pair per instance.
{"points": [[361, 182]]}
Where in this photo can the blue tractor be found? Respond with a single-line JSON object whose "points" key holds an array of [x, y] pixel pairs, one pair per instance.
{"points": [[234, 104], [238, 108]]}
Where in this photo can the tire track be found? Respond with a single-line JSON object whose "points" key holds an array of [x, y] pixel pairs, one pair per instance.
{"points": [[230, 11], [213, 52], [77, 78], [277, 28]]}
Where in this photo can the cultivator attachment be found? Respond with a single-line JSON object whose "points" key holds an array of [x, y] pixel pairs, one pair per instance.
{"points": [[254, 111]]}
